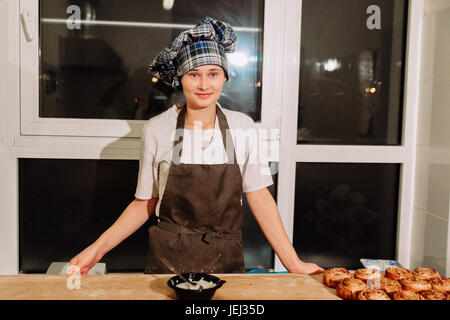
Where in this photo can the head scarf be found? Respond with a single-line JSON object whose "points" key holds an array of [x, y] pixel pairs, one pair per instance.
{"points": [[206, 43]]}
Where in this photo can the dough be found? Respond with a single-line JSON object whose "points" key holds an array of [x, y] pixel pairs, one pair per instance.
{"points": [[425, 273], [349, 288], [373, 294], [416, 284], [441, 284], [397, 273], [406, 295], [196, 285], [332, 276], [433, 295]]}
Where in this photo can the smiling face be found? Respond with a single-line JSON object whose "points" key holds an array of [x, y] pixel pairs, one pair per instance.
{"points": [[202, 86]]}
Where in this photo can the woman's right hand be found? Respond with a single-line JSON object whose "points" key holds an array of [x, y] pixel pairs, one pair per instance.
{"points": [[134, 216], [85, 260]]}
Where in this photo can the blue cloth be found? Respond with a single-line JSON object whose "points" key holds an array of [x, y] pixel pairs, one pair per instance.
{"points": [[265, 271], [206, 43]]}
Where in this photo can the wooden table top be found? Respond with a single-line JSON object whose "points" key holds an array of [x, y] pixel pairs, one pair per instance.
{"points": [[283, 286]]}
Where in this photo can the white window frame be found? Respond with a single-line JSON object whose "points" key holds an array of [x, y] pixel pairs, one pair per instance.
{"points": [[291, 153], [32, 124]]}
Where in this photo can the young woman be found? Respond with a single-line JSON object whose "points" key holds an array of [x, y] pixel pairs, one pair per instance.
{"points": [[200, 207]]}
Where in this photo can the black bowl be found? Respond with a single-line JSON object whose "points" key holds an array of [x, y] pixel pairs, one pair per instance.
{"points": [[199, 294]]}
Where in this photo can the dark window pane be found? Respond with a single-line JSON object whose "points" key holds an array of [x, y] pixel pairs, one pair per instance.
{"points": [[100, 70], [345, 212], [258, 253], [65, 205], [351, 77]]}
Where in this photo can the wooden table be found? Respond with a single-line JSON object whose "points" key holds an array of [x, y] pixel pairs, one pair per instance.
{"points": [[154, 287]]}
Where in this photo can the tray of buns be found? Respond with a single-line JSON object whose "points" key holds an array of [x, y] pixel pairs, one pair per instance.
{"points": [[387, 283]]}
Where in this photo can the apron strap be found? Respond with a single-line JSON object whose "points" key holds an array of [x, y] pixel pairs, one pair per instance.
{"points": [[227, 139]]}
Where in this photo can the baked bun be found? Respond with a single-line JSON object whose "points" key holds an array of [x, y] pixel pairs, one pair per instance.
{"points": [[405, 295], [425, 273], [387, 285], [433, 295], [349, 288], [367, 274], [397, 273], [416, 284], [332, 276], [373, 294], [441, 284]]}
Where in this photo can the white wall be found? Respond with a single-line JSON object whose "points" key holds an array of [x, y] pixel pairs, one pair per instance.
{"points": [[430, 245], [9, 101]]}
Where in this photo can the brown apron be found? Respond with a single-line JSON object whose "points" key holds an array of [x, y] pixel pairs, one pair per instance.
{"points": [[200, 214]]}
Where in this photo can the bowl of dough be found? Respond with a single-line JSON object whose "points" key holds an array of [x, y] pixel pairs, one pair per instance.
{"points": [[202, 286]]}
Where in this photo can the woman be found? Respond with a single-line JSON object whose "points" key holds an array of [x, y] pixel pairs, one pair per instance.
{"points": [[200, 212]]}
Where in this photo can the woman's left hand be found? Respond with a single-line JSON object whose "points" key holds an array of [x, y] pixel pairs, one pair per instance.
{"points": [[266, 213], [307, 268]]}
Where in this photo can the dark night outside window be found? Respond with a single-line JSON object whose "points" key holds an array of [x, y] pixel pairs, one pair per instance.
{"points": [[345, 212], [351, 77], [66, 204], [100, 70]]}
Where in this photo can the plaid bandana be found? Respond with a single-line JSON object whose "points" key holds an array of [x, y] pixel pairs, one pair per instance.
{"points": [[206, 43]]}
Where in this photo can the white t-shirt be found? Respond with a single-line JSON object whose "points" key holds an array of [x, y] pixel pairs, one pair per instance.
{"points": [[157, 147]]}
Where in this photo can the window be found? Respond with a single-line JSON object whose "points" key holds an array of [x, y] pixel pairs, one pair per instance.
{"points": [[351, 76], [66, 204], [85, 73], [345, 212], [337, 137]]}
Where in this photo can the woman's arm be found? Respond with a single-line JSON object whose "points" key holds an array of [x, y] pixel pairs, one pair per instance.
{"points": [[131, 219], [266, 213]]}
